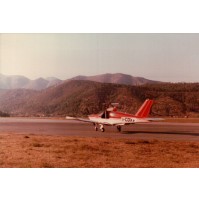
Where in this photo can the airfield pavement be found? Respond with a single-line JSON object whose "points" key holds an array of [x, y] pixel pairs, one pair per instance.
{"points": [[160, 131]]}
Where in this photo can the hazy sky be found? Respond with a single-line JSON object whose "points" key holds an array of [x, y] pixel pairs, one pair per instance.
{"points": [[165, 57]]}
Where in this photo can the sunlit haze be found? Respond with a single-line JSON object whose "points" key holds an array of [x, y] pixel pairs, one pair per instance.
{"points": [[164, 57]]}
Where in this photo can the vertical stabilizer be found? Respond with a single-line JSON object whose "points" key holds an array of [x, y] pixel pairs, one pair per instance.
{"points": [[144, 110]]}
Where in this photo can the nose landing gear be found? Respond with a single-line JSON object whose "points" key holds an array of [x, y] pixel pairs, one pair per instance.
{"points": [[95, 126], [101, 127]]}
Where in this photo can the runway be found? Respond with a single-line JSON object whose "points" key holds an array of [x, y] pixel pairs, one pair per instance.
{"points": [[159, 131]]}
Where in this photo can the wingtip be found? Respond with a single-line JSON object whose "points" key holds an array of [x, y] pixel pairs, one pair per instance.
{"points": [[69, 118]]}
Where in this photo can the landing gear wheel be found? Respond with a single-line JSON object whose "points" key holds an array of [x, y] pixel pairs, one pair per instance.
{"points": [[119, 128], [102, 129], [95, 126]]}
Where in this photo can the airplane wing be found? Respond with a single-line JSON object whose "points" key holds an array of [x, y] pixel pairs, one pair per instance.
{"points": [[79, 119], [89, 121], [154, 119], [134, 121]]}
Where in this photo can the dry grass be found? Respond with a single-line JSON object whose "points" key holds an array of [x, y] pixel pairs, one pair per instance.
{"points": [[18, 150]]}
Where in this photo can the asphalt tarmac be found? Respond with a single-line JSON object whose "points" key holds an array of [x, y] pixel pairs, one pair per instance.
{"points": [[159, 131]]}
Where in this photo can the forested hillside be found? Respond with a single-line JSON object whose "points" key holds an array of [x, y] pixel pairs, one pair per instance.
{"points": [[81, 98]]}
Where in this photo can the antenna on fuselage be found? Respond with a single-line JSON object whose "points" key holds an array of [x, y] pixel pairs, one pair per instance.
{"points": [[114, 104]]}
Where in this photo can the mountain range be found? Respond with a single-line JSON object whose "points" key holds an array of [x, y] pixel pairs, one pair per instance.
{"points": [[22, 82], [117, 78]]}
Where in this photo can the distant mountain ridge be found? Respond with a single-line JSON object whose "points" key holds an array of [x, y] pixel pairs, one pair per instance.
{"points": [[22, 82], [117, 78]]}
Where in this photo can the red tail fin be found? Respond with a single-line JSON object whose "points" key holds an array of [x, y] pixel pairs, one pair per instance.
{"points": [[144, 109]]}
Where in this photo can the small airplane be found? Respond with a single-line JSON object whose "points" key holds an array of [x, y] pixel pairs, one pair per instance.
{"points": [[111, 117]]}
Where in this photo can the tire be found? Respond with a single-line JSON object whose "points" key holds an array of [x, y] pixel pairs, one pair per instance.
{"points": [[102, 129], [119, 128]]}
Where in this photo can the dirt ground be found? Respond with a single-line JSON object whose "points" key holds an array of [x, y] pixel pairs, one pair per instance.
{"points": [[47, 151]]}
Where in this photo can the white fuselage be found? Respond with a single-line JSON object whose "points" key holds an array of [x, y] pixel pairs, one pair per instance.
{"points": [[118, 121]]}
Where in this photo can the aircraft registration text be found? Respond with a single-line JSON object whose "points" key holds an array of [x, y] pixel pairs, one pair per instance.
{"points": [[127, 119]]}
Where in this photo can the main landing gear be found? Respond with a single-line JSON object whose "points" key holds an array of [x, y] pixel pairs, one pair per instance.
{"points": [[119, 128]]}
